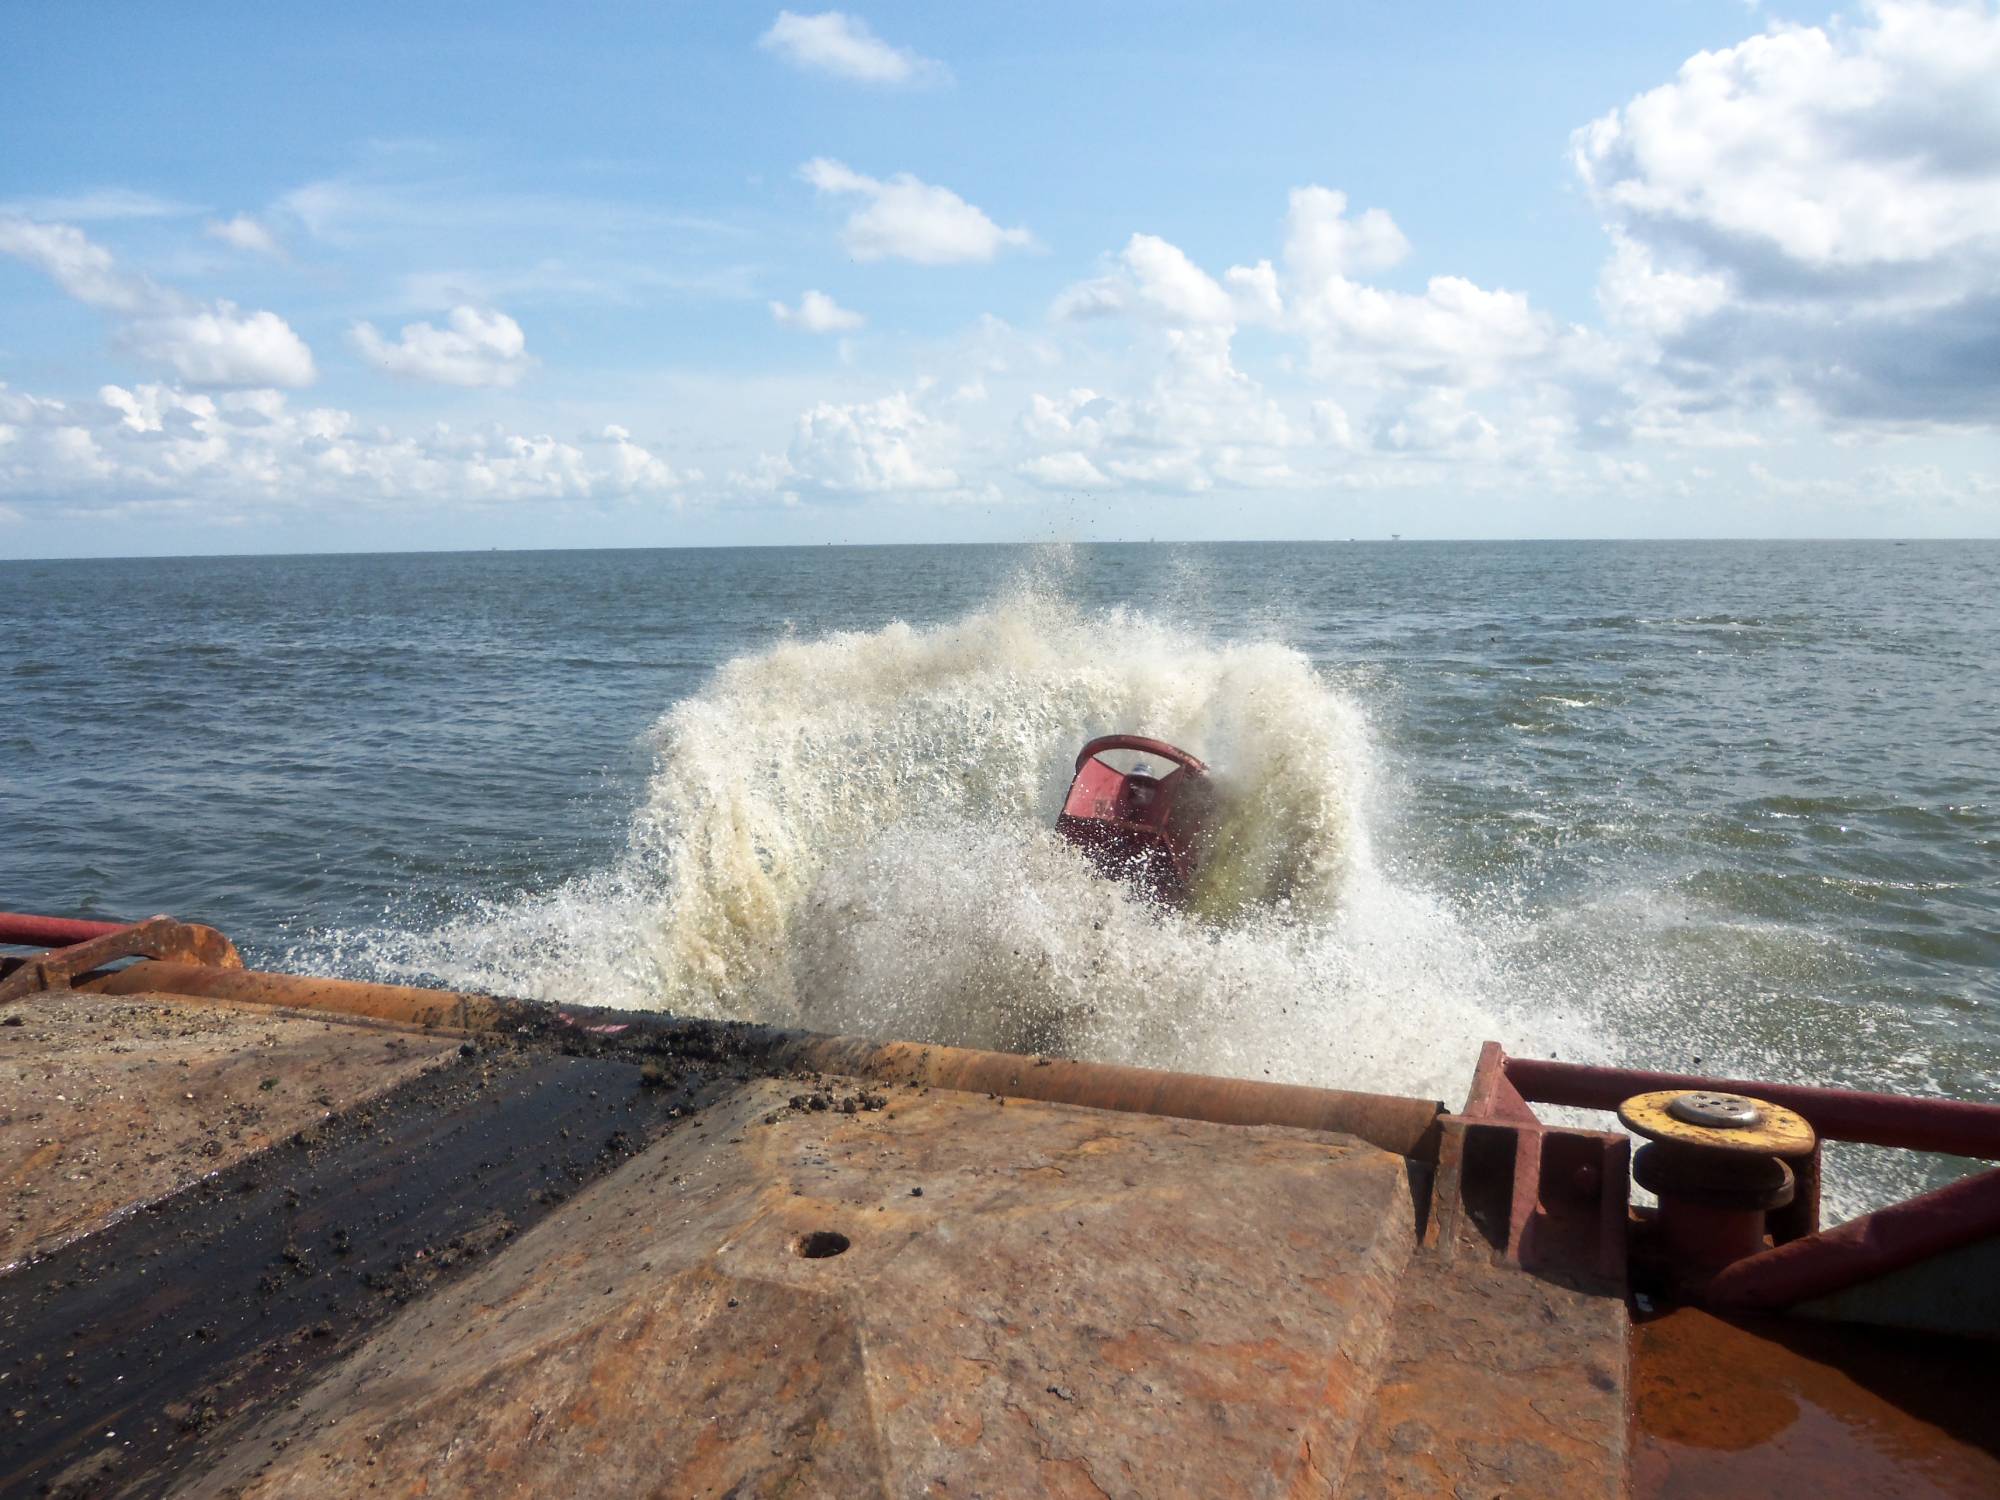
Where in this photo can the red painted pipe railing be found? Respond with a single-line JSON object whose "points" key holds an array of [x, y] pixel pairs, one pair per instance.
{"points": [[51, 932], [1889, 1239], [1803, 1265], [1951, 1126]]}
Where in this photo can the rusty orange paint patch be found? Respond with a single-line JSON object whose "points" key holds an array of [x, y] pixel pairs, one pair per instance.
{"points": [[1774, 1407]]}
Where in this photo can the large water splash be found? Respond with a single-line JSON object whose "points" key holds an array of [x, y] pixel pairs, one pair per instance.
{"points": [[855, 834]]}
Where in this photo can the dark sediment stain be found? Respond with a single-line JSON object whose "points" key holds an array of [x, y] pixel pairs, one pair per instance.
{"points": [[130, 1354]]}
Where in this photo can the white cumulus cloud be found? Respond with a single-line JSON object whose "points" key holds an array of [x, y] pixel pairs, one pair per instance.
{"points": [[78, 264], [1636, 293], [1065, 470], [870, 448], [1816, 211], [1864, 146], [1371, 380], [244, 233], [213, 343], [1199, 422], [1437, 423], [475, 348], [220, 345], [1454, 332], [632, 469], [1153, 277], [905, 219], [1322, 242], [817, 313], [162, 444], [841, 45]]}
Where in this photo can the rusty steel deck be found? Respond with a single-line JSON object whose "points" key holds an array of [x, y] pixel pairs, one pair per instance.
{"points": [[277, 1236]]}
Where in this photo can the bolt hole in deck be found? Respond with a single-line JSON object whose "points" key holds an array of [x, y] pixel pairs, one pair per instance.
{"points": [[820, 1244]]}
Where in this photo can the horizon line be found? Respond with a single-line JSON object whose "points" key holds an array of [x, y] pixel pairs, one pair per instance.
{"points": [[1394, 539]]}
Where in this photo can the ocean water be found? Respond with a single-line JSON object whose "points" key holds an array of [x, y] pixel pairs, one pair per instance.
{"points": [[1727, 806]]}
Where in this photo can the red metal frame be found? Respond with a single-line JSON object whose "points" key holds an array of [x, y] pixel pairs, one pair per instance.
{"points": [[1890, 1239], [1145, 829], [1549, 1197], [1151, 746], [1804, 1262]]}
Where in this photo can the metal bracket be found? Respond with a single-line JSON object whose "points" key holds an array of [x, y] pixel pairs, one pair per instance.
{"points": [[158, 937], [1543, 1197]]}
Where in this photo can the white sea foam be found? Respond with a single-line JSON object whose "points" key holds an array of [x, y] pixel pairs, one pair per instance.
{"points": [[855, 834]]}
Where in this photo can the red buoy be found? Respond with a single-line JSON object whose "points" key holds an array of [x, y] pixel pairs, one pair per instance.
{"points": [[1139, 825]]}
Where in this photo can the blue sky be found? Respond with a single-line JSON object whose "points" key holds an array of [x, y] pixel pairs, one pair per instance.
{"points": [[652, 274]]}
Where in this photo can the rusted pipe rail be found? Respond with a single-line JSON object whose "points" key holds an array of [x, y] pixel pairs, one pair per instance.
{"points": [[1407, 1127], [1951, 1126], [448, 1009], [51, 932], [160, 938]]}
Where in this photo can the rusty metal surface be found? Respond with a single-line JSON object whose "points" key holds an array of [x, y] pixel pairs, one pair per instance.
{"points": [[128, 1354], [1497, 1382], [1405, 1126], [1023, 1299], [1780, 1408], [1492, 1096], [106, 1103], [1545, 1198], [924, 1274], [446, 1009], [155, 938], [1506, 1376]]}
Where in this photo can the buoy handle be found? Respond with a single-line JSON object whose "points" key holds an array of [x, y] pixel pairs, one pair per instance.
{"points": [[1140, 742]]}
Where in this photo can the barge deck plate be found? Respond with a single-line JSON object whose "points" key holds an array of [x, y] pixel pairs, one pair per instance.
{"points": [[261, 1252]]}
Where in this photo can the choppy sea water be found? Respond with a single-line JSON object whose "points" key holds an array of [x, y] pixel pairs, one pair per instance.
{"points": [[1727, 806]]}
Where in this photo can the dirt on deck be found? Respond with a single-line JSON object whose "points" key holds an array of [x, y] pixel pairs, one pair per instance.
{"points": [[108, 1102]]}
